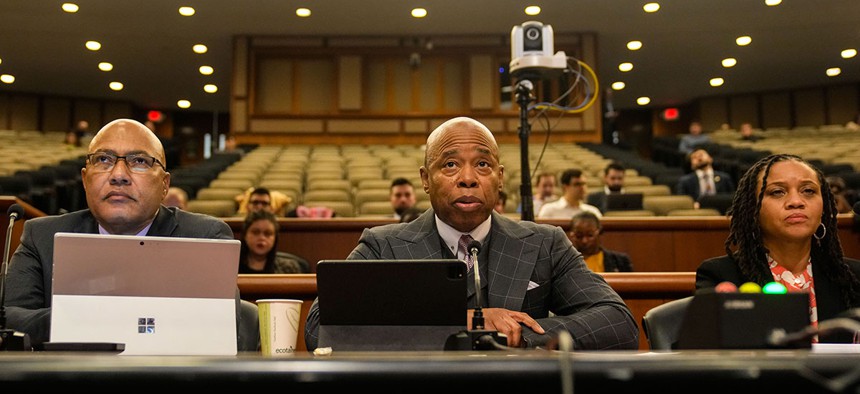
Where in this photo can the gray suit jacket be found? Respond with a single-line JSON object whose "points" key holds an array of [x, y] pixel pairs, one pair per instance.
{"points": [[28, 293], [531, 268]]}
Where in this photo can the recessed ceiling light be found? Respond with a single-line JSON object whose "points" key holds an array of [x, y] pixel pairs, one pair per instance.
{"points": [[93, 45], [1, 61], [849, 53], [618, 85], [210, 88], [625, 67], [743, 40], [303, 12], [833, 71], [206, 70], [643, 100], [105, 66], [199, 48], [183, 104], [116, 86], [186, 11], [70, 7], [419, 12], [729, 62], [716, 82], [532, 10], [6, 78], [634, 45], [771, 3], [651, 7]]}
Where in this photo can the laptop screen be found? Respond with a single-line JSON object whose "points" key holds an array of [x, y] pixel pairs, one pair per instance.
{"points": [[624, 202], [390, 304], [157, 295]]}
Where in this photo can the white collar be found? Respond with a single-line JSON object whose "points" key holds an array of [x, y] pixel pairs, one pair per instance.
{"points": [[451, 236]]}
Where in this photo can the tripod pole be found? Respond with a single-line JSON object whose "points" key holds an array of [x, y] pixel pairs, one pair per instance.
{"points": [[523, 92]]}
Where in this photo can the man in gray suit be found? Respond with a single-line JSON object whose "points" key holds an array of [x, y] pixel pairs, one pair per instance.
{"points": [[122, 198], [531, 269]]}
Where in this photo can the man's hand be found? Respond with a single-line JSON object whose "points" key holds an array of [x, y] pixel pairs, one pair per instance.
{"points": [[507, 322]]}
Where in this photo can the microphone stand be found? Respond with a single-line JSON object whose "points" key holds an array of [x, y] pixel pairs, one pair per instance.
{"points": [[477, 338], [523, 91], [10, 339]]}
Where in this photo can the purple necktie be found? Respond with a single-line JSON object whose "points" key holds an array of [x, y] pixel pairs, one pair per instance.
{"points": [[465, 239]]}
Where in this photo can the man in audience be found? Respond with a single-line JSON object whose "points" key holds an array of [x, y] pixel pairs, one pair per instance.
{"points": [[585, 230], [260, 198], [534, 269], [402, 196], [125, 182], [573, 184], [704, 180], [176, 197], [613, 183], [500, 204], [544, 191], [696, 137], [747, 134]]}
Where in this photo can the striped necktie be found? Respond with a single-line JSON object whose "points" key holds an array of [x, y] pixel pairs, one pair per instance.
{"points": [[464, 248]]}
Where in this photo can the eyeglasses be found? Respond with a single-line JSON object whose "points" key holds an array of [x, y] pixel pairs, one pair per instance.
{"points": [[103, 161]]}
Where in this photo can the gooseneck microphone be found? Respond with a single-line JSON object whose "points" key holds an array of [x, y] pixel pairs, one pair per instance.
{"points": [[474, 248], [10, 339]]}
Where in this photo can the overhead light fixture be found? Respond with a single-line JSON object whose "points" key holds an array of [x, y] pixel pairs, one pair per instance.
{"points": [[303, 12], [206, 70], [849, 53], [772, 3], [743, 40], [93, 45], [643, 100], [183, 104], [625, 67], [651, 7], [116, 86], [634, 45], [419, 12], [210, 88], [7, 78], [716, 82], [618, 85], [532, 10], [70, 7], [833, 71], [199, 48], [105, 66], [186, 11], [729, 62]]}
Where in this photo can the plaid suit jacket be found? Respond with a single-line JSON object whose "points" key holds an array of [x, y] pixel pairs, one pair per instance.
{"points": [[532, 268]]}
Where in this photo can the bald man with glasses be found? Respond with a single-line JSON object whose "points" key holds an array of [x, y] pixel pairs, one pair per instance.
{"points": [[125, 178]]}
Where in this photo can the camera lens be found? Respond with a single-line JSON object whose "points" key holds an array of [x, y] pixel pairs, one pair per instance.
{"points": [[532, 33]]}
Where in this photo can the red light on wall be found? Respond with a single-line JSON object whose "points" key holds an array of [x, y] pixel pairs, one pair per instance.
{"points": [[670, 114], [155, 116]]}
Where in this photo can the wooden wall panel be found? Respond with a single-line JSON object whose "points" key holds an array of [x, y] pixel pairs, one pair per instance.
{"points": [[776, 110], [809, 107], [56, 114]]}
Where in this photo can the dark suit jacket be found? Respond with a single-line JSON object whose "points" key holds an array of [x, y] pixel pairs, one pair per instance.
{"points": [[520, 255], [616, 261], [598, 199], [689, 184], [827, 296], [28, 293]]}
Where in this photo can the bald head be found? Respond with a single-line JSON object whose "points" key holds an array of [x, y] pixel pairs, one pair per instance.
{"points": [[126, 127], [457, 124]]}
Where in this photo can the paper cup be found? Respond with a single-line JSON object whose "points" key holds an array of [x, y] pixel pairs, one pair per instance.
{"points": [[279, 326]]}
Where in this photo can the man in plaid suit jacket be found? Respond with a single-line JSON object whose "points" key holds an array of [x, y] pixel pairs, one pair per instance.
{"points": [[536, 283]]}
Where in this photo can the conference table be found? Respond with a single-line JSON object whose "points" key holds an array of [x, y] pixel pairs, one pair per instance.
{"points": [[520, 371]]}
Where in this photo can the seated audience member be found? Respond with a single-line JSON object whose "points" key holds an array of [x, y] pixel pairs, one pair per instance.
{"points": [[574, 188], [692, 140], [125, 182], [844, 197], [747, 134], [500, 204], [402, 196], [544, 192], [257, 198], [613, 183], [306, 212], [703, 180], [176, 197], [72, 140], [585, 229], [783, 229], [259, 253], [528, 299]]}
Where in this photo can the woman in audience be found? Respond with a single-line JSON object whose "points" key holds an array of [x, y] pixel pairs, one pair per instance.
{"points": [[259, 253], [783, 229]]}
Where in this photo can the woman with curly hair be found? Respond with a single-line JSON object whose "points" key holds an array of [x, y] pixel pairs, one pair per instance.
{"points": [[783, 229]]}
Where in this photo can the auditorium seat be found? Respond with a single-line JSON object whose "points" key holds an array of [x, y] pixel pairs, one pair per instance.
{"points": [[649, 190], [633, 213], [694, 212], [662, 205], [662, 324], [341, 208], [214, 194], [375, 208], [327, 195], [366, 195], [217, 208]]}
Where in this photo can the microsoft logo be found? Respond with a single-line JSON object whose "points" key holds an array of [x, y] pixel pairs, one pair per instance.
{"points": [[145, 325]]}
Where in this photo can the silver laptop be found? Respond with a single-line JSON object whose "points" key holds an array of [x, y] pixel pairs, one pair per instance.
{"points": [[157, 295]]}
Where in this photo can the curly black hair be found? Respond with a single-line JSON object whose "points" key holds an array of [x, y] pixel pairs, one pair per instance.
{"points": [[744, 243]]}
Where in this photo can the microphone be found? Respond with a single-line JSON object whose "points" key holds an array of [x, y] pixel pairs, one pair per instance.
{"points": [[10, 339], [477, 338]]}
